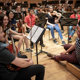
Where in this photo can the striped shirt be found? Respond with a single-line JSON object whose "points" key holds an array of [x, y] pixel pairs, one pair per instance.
{"points": [[78, 49]]}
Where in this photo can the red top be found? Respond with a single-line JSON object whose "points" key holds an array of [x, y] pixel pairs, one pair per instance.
{"points": [[30, 20], [73, 16]]}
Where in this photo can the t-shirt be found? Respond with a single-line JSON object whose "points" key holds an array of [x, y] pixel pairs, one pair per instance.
{"points": [[30, 20], [6, 57], [51, 19], [78, 49], [13, 22]]}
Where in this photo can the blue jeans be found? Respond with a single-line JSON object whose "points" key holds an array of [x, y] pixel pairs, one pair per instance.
{"points": [[57, 28], [71, 32], [3, 44]]}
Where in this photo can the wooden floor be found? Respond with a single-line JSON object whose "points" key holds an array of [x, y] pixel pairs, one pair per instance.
{"points": [[53, 70]]}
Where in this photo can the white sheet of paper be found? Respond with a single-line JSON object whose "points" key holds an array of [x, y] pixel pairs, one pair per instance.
{"points": [[32, 32], [37, 34]]}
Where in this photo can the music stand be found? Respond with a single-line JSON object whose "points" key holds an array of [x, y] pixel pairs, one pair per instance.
{"points": [[41, 16], [44, 2], [35, 35], [17, 16], [24, 5], [67, 15], [69, 22], [18, 4], [5, 7], [41, 23], [62, 2], [70, 2], [9, 4], [1, 4], [14, 7]]}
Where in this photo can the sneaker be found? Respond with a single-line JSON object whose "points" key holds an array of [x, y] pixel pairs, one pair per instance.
{"points": [[42, 45], [32, 47], [63, 42], [62, 31], [29, 50], [69, 39], [55, 41]]}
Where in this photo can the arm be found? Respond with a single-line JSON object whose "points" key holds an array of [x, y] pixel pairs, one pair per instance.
{"points": [[27, 26], [13, 32], [57, 20], [69, 50], [22, 63]]}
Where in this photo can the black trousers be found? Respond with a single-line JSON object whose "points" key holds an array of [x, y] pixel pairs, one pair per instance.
{"points": [[60, 23], [27, 73]]}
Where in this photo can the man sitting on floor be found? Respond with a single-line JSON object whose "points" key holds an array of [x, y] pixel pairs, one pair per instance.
{"points": [[73, 50]]}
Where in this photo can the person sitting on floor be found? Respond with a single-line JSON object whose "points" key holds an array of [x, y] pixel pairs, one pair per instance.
{"points": [[73, 51]]}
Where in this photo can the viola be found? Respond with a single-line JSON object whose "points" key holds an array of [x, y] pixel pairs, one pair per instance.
{"points": [[13, 49]]}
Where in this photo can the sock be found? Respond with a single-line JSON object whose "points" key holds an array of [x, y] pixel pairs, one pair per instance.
{"points": [[69, 36]]}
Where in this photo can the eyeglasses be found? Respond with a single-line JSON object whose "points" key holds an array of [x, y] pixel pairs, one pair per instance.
{"points": [[5, 19], [11, 14]]}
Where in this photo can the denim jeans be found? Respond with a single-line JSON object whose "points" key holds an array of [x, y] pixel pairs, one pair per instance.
{"points": [[57, 28], [71, 32]]}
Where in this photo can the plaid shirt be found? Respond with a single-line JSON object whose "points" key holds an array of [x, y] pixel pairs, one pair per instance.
{"points": [[78, 49]]}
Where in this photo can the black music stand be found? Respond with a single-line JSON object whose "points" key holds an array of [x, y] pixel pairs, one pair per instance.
{"points": [[70, 2], [41, 23], [1, 4], [17, 16], [14, 7], [69, 22], [62, 2], [9, 4], [67, 15], [5, 8], [41, 16], [35, 35]]}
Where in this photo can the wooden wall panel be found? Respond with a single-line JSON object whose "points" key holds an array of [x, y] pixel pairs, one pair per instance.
{"points": [[40, 1]]}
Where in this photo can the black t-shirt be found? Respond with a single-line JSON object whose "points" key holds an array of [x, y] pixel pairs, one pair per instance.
{"points": [[51, 19], [59, 11], [6, 58]]}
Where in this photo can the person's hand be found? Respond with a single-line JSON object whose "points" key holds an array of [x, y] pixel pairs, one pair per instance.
{"points": [[28, 60], [31, 62], [36, 16], [63, 53], [53, 25]]}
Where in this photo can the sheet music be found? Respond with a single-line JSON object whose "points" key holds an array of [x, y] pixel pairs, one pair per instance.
{"points": [[37, 34], [31, 33]]}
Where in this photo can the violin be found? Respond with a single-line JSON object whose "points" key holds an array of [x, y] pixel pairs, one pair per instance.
{"points": [[13, 49], [19, 26], [20, 29]]}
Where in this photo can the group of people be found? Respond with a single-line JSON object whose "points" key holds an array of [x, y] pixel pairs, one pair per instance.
{"points": [[8, 27]]}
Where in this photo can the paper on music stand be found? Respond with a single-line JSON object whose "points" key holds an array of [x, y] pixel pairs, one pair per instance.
{"points": [[32, 32], [37, 34]]}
